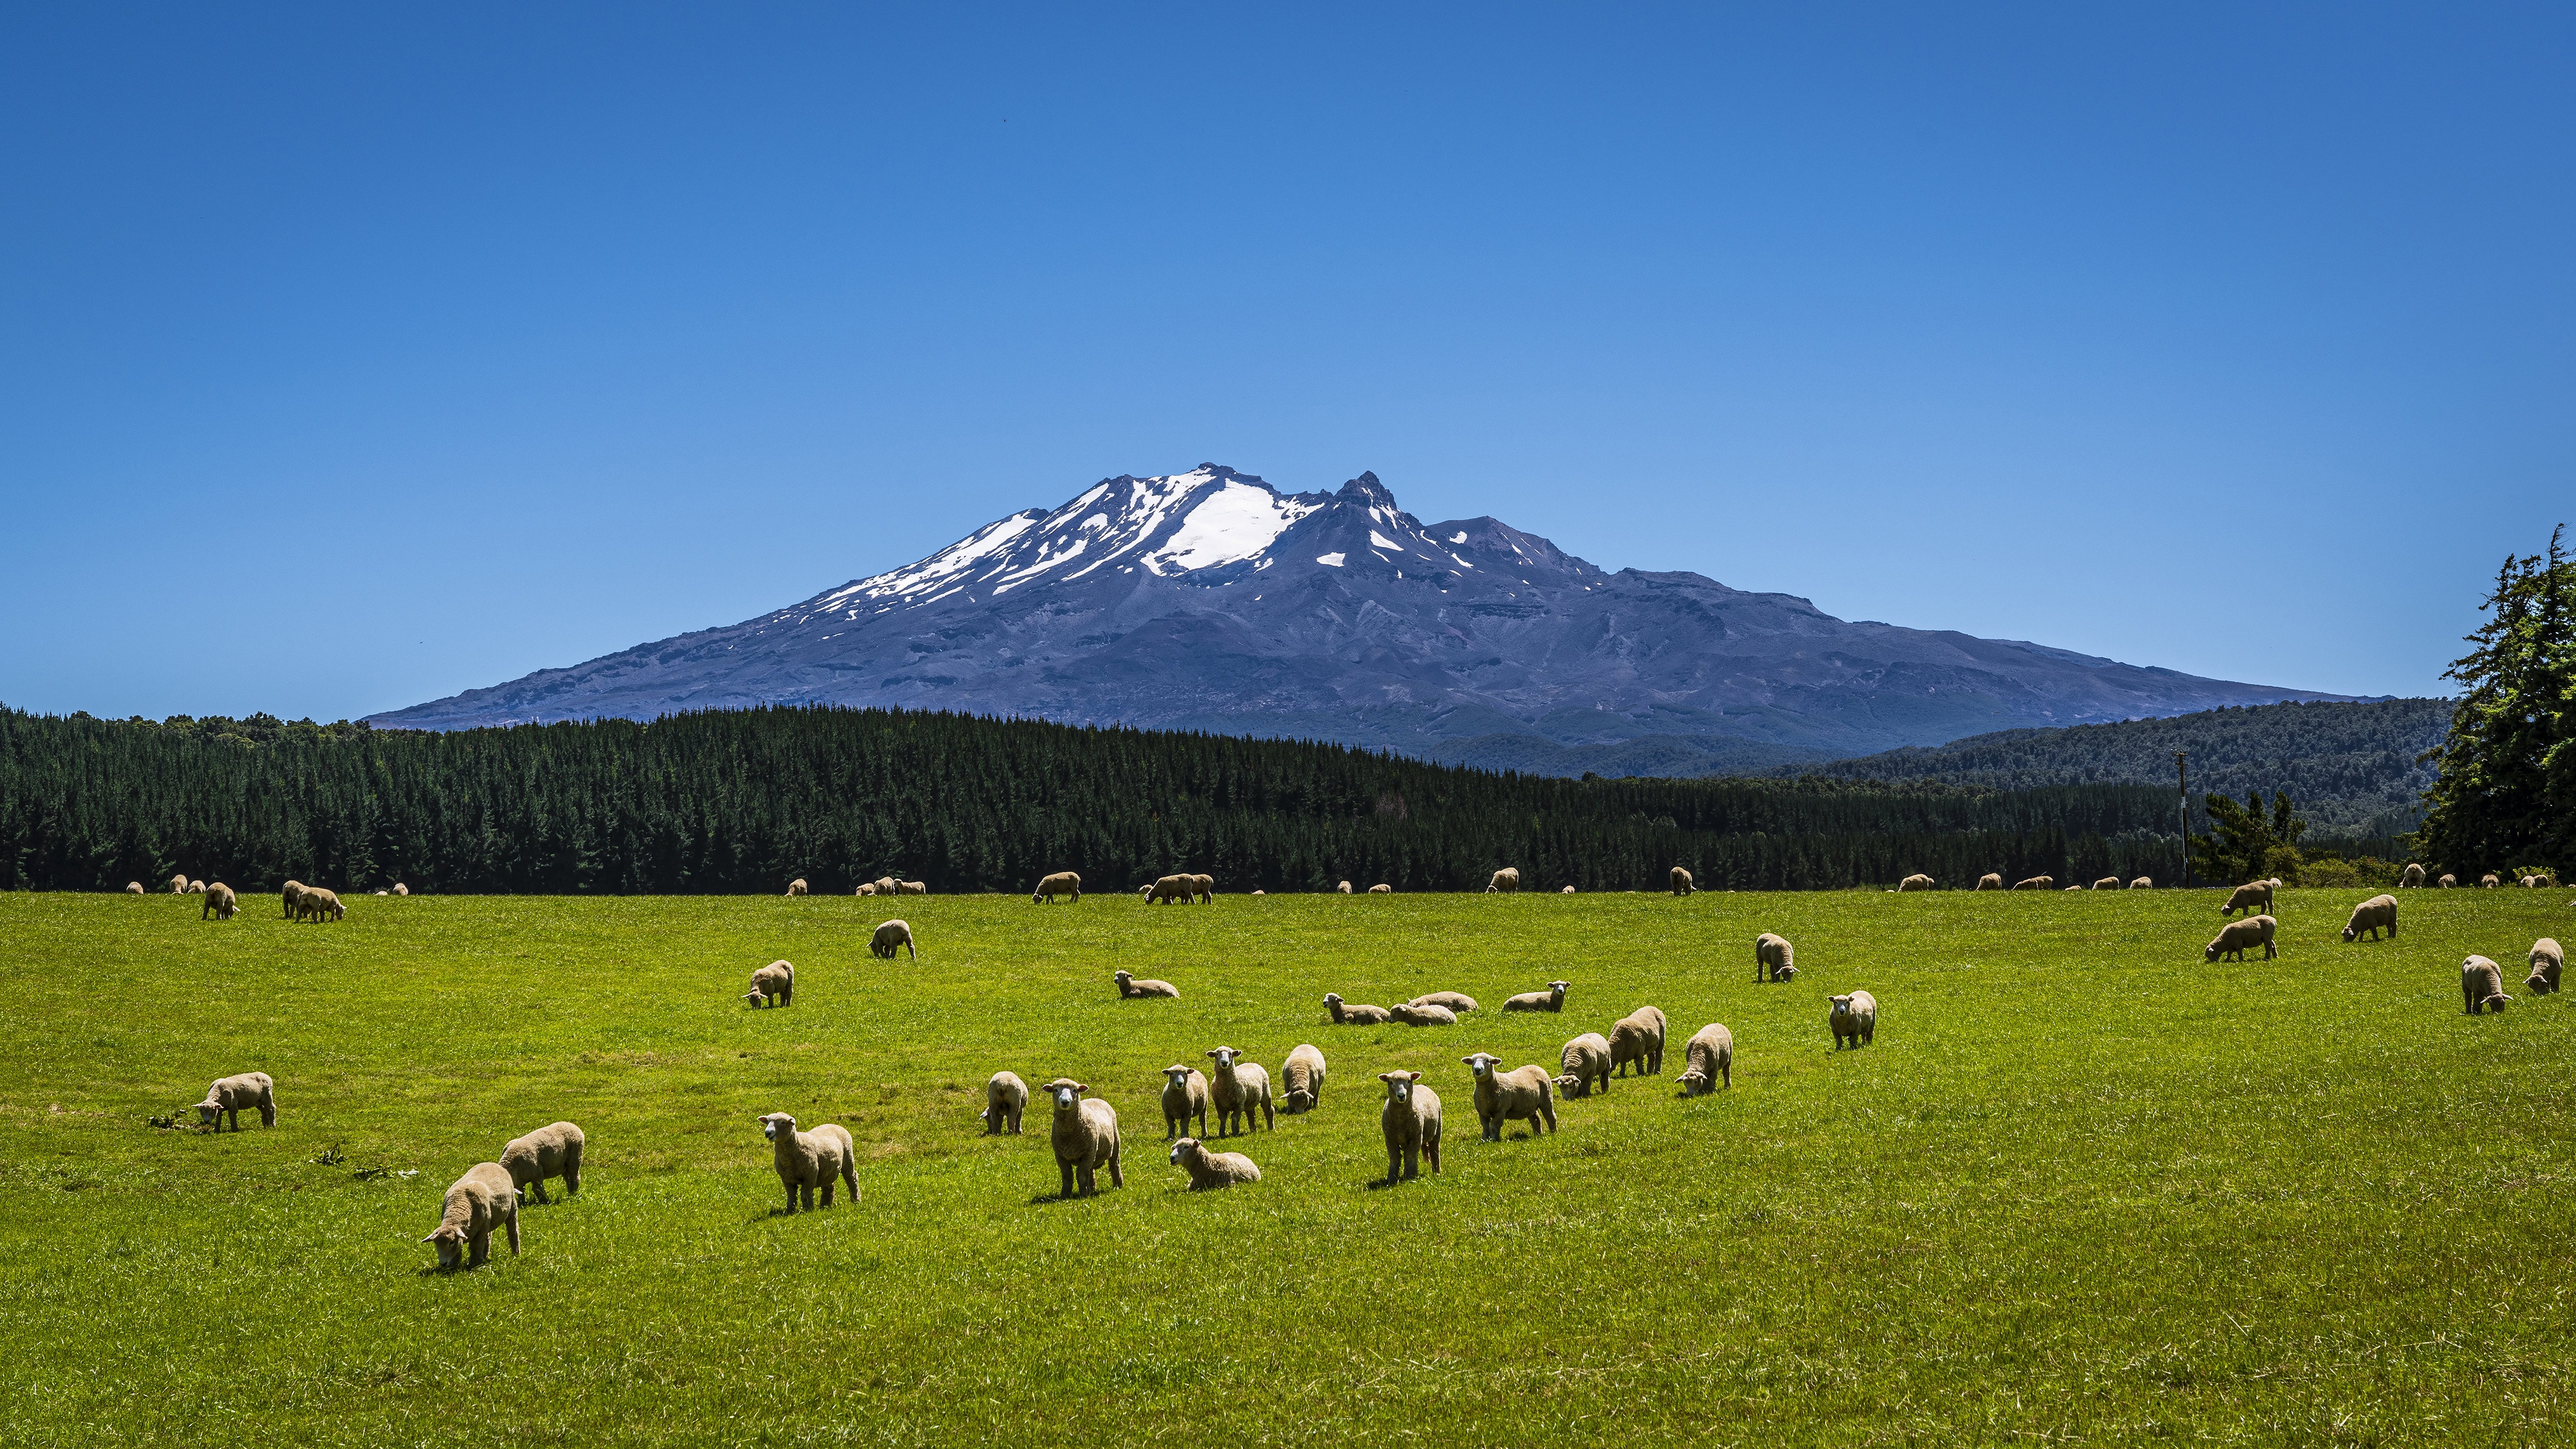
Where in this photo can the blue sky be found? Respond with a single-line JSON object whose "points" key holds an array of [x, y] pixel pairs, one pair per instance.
{"points": [[351, 359]]}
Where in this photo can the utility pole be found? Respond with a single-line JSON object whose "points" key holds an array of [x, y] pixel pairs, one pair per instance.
{"points": [[2182, 783]]}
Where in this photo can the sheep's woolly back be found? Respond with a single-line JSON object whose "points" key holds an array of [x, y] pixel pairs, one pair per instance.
{"points": [[1301, 1078], [1210, 1171]]}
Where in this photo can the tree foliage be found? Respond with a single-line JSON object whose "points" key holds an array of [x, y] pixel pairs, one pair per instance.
{"points": [[2506, 790]]}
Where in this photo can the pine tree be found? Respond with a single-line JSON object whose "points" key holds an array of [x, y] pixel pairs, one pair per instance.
{"points": [[2507, 779]]}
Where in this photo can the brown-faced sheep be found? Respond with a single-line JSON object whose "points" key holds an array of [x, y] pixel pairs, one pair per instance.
{"points": [[483, 1199], [1582, 1061], [888, 936], [1381, 889], [1454, 1000], [1410, 1122], [1085, 1138], [219, 902], [1005, 1098], [1638, 1039], [1301, 1079], [772, 985], [1708, 1060], [1680, 880], [1062, 883], [2254, 899], [1505, 881], [1346, 1014], [2413, 877], [1212, 1171], [1523, 1094], [1774, 959], [1237, 1089], [1552, 999], [2377, 914], [1915, 882], [1990, 881], [226, 1098], [2238, 937], [1185, 1096], [1129, 987], [2481, 986], [2547, 961], [1853, 1017], [796, 887], [2036, 883], [1410, 1014], [553, 1150], [821, 1158]]}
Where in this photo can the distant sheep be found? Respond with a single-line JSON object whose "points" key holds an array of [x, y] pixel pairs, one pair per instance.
{"points": [[293, 898], [796, 887], [1204, 887], [2413, 877], [1345, 1014], [1410, 1122], [1853, 1018], [1170, 890], [134, 888], [2377, 914], [1585, 1060], [2036, 883], [1062, 883], [890, 935], [1301, 1079], [1454, 1000], [1916, 882], [400, 889], [2107, 883], [1212, 1171], [1523, 1094], [2485, 882], [1990, 881], [198, 887], [1552, 999], [1345, 888], [2248, 898], [884, 884], [1708, 1060], [2481, 986], [1682, 883], [1637, 1040], [866, 888], [2238, 937], [1505, 881], [2143, 883], [912, 887], [1774, 959], [1129, 986], [1381, 889], [1237, 1089], [1185, 1096], [317, 905], [226, 1098], [483, 1199], [550, 1151], [2449, 880], [1569, 890], [772, 985], [2547, 960], [178, 885], [821, 1158], [1085, 1138], [1005, 1098], [219, 902], [1421, 1014]]}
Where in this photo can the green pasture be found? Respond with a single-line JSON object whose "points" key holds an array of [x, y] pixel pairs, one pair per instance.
{"points": [[2085, 1188]]}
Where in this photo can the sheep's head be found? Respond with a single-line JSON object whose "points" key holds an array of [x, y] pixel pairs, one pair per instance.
{"points": [[1559, 986], [1332, 998], [1399, 1086], [1067, 1093], [1298, 1100], [1482, 1063], [1694, 1082], [1841, 1006], [450, 1241], [776, 1125], [1784, 973], [1178, 1075], [208, 1110], [1186, 1144], [1223, 1057], [2497, 1001], [754, 997], [1122, 977]]}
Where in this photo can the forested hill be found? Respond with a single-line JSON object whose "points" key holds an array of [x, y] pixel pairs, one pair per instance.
{"points": [[744, 801], [2351, 767]]}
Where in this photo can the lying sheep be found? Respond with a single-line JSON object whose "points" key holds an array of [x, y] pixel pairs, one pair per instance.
{"points": [[2247, 897], [1301, 1079], [1348, 1015], [2143, 883], [1681, 882], [1426, 1014], [1584, 1060], [2238, 937], [1552, 999], [2481, 986], [2036, 883], [483, 1199], [1261, 893], [2449, 880], [1237, 1089], [1129, 986], [2547, 960], [890, 935], [2414, 876], [1085, 1137], [550, 1151], [2374, 915], [796, 887], [1708, 1060], [1454, 1000], [2107, 883], [1005, 1098], [1774, 959], [1523, 1094], [1990, 881], [219, 902], [1505, 881], [1410, 1122], [1062, 883], [1211, 1171], [226, 1098], [1381, 889], [1185, 1095], [821, 1158], [1638, 1039], [1915, 882], [772, 985], [134, 888], [1854, 1019]]}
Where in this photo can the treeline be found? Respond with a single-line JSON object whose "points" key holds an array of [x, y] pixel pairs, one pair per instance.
{"points": [[743, 801]]}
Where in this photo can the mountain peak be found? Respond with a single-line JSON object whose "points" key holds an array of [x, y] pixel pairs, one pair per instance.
{"points": [[1367, 492]]}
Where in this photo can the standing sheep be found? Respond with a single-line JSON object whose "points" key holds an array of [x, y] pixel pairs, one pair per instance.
{"points": [[2036, 883], [318, 905], [178, 885], [1552, 999], [890, 935], [1185, 1095], [2143, 883], [1853, 1018], [1085, 1137], [772, 985], [229, 1095], [866, 888], [2246, 897], [2448, 880], [1681, 882], [1569, 890], [821, 1158], [550, 1151], [1129, 987], [2413, 877], [1425, 1014], [1062, 883], [1345, 888], [1505, 881], [884, 884], [1990, 881], [2481, 986], [1347, 1015], [2107, 883], [1211, 1171], [1171, 889], [291, 895], [219, 902], [1410, 1122], [400, 889], [912, 887], [1915, 882], [1584, 1059], [1454, 1000], [2238, 937], [1205, 888], [1005, 1098], [1774, 959], [1236, 1090], [1708, 1060], [1301, 1080], [198, 887], [483, 1199], [2485, 882], [2547, 961], [2374, 915], [1521, 1094], [796, 887], [1638, 1039]]}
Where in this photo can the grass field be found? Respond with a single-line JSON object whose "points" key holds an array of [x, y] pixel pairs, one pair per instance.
{"points": [[2083, 1188]]}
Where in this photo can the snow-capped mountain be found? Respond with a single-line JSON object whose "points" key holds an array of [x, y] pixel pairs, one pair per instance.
{"points": [[1210, 600]]}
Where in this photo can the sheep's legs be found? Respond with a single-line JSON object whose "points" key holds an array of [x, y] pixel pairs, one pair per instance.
{"points": [[572, 1176], [1088, 1182], [1065, 1170], [512, 1223]]}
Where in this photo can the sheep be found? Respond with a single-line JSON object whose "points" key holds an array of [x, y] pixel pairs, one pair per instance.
{"points": [[550, 1151], [1210, 1171], [1569, 890], [1990, 881], [1381, 889], [483, 1199], [2485, 882], [1552, 999], [2246, 897], [400, 889], [912, 887], [1129, 986], [1205, 886], [2107, 883], [2074, 888], [134, 888], [1345, 888], [1916, 882], [866, 888], [2143, 883], [806, 1160], [884, 885], [178, 885], [1583, 1059], [1005, 1098], [889, 935], [1454, 1000], [198, 887], [2238, 937], [1505, 881], [1774, 959], [2036, 883], [2448, 880], [1681, 882], [316, 904], [1085, 1137], [1185, 1095], [796, 887], [1169, 889], [1409, 1014], [1261, 893], [2373, 915], [778, 980], [1708, 1060], [1347, 1015], [1853, 1018], [2547, 960], [1236, 1089], [1410, 1121], [219, 902], [1062, 883], [228, 1095], [2481, 986], [1638, 1039], [1301, 1079], [2413, 877], [1521, 1094]]}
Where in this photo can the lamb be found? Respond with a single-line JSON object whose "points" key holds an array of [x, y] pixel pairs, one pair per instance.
{"points": [[134, 888], [2036, 883], [229, 1095], [1990, 881], [1410, 1121], [1584, 1059], [1552, 999], [1505, 881], [1381, 889], [1205, 887], [1681, 882], [2143, 883], [1185, 1095], [1915, 882], [219, 902], [2547, 960], [2481, 986], [2449, 880], [1774, 959], [2414, 876], [807, 1160], [1708, 1060], [1129, 986], [483, 1199], [1169, 889], [1854, 1019], [1062, 883], [1210, 1171], [796, 887], [400, 889], [1301, 1079], [1085, 1137], [778, 980], [2238, 937], [1236, 1089], [1454, 1000], [1005, 1098], [912, 887], [1522, 1094], [1346, 1015], [890, 935], [550, 1151], [2374, 915], [1425, 1014], [1638, 1039], [2107, 883], [2246, 897]]}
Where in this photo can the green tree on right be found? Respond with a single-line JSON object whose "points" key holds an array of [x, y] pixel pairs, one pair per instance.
{"points": [[2506, 790]]}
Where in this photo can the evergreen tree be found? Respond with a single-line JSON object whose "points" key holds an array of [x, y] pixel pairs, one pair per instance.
{"points": [[2507, 777]]}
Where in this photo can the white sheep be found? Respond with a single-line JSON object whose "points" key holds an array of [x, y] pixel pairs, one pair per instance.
{"points": [[2547, 961], [796, 887], [2238, 937], [198, 887], [483, 1199], [1505, 881], [1637, 1039], [1129, 986], [1381, 889], [1584, 1059], [2413, 877], [821, 1158], [134, 888], [1454, 1000], [1410, 1122], [1853, 1018], [553, 1150], [1679, 879], [1915, 882], [317, 905], [2107, 883], [772, 985], [1085, 1138], [400, 889], [1708, 1060], [912, 887], [1521, 1094], [866, 888], [178, 885], [2481, 986], [1425, 1014], [884, 884], [1552, 999], [1005, 1098], [1345, 1014], [1990, 881], [1204, 886], [2143, 883], [1301, 1079], [1062, 883], [1172, 890], [1569, 890], [2485, 882], [1774, 959], [2247, 897], [888, 936], [1236, 1089], [1185, 1095], [229, 1095], [2448, 880], [1211, 1171], [2374, 915], [1345, 888], [219, 902], [2036, 883]]}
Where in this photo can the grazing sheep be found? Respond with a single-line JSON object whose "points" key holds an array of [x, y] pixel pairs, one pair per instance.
{"points": [[2485, 882], [890, 935], [134, 888], [2481, 986], [1129, 986], [1583, 1059], [1206, 889], [2246, 897], [807, 1160], [1521, 1094], [1410, 1121], [1916, 882], [2238, 937], [1854, 1019], [1236, 1089], [1681, 882], [198, 887], [1062, 883], [1171, 889], [2530, 881], [1005, 1098], [1708, 1060], [317, 905], [219, 902], [1569, 890], [2107, 883], [1774, 959], [1552, 999], [400, 889], [1301, 1079], [2143, 883], [1381, 889], [1085, 1137], [229, 1095], [796, 887], [1505, 881], [1185, 1095], [775, 980], [1410, 1014], [2374, 915], [2547, 960], [483, 1199], [178, 885], [1345, 888], [2414, 876], [912, 887], [2449, 880], [866, 888], [1347, 1015], [885, 885], [1210, 1171], [2036, 883], [1454, 1000], [550, 1151], [1638, 1038], [1990, 881]]}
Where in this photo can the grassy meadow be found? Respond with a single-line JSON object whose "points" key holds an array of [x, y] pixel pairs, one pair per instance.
{"points": [[2083, 1188]]}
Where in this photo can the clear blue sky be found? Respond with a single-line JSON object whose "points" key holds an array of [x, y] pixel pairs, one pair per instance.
{"points": [[348, 360]]}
